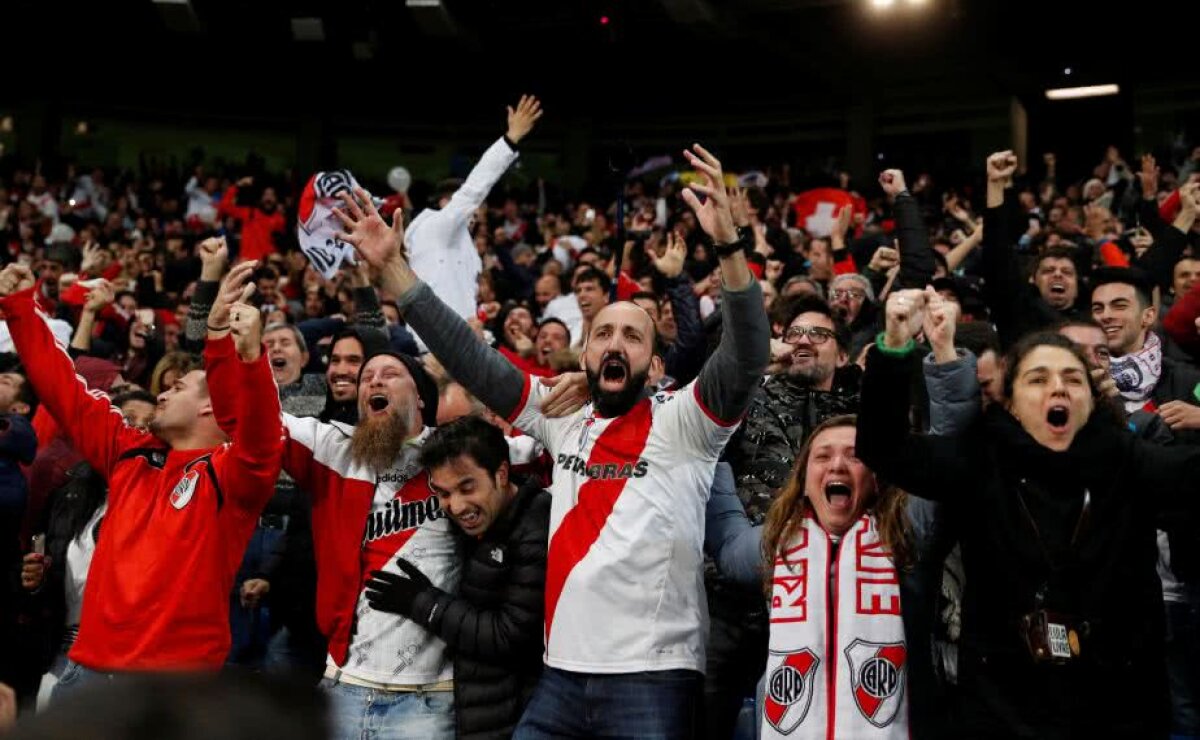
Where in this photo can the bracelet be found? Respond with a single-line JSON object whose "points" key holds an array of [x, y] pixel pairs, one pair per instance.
{"points": [[909, 346], [732, 248], [217, 328]]}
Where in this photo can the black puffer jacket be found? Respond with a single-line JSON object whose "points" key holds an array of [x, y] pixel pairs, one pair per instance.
{"points": [[493, 624]]}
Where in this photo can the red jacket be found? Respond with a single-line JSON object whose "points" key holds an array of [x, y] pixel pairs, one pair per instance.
{"points": [[528, 364], [178, 521], [258, 227]]}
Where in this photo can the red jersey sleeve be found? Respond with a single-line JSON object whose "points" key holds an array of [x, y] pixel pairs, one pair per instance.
{"points": [[90, 422], [245, 392], [229, 207]]}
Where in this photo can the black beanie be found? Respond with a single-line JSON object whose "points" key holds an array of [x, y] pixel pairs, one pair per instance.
{"points": [[427, 389]]}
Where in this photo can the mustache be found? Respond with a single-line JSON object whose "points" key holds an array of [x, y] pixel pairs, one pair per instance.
{"points": [[614, 356]]}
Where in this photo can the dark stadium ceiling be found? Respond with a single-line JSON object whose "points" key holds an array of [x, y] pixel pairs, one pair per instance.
{"points": [[629, 54]]}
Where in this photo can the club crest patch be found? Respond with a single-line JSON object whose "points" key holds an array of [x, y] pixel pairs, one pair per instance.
{"points": [[184, 489], [789, 690], [877, 672]]}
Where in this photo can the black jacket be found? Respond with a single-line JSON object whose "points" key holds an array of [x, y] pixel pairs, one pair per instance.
{"points": [[1106, 579], [69, 509], [493, 624]]}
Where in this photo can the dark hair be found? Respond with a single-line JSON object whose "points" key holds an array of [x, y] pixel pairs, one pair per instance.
{"points": [[136, 394], [1081, 320], [1138, 280], [644, 295], [470, 436], [26, 393], [560, 322], [1057, 253], [977, 337], [266, 271], [1029, 343], [788, 309], [940, 259], [592, 275]]}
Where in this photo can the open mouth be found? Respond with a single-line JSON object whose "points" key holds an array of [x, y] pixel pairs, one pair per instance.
{"points": [[1059, 289], [469, 521], [838, 494], [1057, 417], [1112, 330], [614, 370], [342, 382], [801, 355], [377, 402], [279, 363]]}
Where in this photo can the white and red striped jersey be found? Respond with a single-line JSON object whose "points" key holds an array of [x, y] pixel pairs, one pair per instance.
{"points": [[363, 520], [624, 583]]}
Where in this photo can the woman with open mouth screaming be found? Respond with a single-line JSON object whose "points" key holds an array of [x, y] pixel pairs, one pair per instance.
{"points": [[838, 541], [1062, 627]]}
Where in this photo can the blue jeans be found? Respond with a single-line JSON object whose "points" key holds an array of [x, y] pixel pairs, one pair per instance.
{"points": [[250, 629], [655, 705], [358, 713], [292, 654], [75, 678]]}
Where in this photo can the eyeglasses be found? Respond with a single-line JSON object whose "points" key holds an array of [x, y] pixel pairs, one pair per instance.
{"points": [[853, 293], [815, 334]]}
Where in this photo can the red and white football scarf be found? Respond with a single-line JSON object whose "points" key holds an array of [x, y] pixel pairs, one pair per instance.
{"points": [[317, 227], [838, 665]]}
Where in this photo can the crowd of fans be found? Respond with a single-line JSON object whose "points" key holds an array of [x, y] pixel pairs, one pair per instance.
{"points": [[971, 409]]}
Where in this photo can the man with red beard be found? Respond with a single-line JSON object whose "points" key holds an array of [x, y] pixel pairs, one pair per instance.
{"points": [[624, 603], [372, 504]]}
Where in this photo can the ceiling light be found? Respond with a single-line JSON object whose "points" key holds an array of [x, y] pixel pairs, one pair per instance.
{"points": [[1090, 91]]}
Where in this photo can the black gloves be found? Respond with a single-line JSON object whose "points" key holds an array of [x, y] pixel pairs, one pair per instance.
{"points": [[398, 594]]}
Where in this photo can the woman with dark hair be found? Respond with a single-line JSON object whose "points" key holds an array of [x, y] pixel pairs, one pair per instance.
{"points": [[839, 541], [1062, 626]]}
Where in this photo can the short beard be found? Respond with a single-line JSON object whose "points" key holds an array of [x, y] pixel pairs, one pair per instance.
{"points": [[377, 442], [811, 376], [617, 403]]}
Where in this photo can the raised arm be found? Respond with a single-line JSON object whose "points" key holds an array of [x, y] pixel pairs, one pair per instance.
{"points": [[1169, 243], [98, 297], [954, 400], [963, 249], [495, 161], [925, 466], [239, 376], [686, 356], [368, 311], [1004, 289], [94, 426], [916, 254], [214, 255], [482, 370], [728, 379]]}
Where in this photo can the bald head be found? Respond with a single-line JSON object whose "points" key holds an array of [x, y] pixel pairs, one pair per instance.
{"points": [[546, 289]]}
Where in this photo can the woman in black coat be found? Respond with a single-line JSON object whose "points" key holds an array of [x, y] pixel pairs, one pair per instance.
{"points": [[1062, 612]]}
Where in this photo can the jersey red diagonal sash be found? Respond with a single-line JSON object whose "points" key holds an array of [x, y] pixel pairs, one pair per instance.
{"points": [[620, 444]]}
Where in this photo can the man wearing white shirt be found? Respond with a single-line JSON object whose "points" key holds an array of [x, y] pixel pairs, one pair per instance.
{"points": [[440, 248]]}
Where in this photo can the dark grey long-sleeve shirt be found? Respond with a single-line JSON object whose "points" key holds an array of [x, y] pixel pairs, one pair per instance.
{"points": [[726, 382]]}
